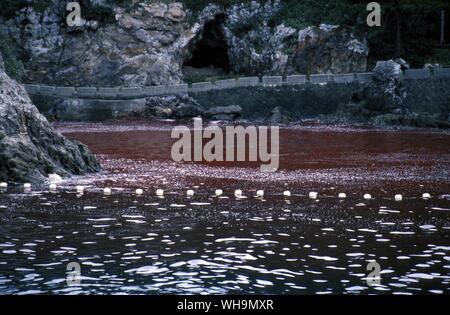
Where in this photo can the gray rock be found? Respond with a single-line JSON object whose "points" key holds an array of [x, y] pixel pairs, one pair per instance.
{"points": [[402, 62], [329, 49], [255, 47], [386, 95], [223, 113], [387, 71], [279, 116], [161, 112], [131, 47], [168, 107], [186, 111], [30, 149]]}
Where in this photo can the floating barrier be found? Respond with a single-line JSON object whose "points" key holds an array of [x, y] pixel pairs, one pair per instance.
{"points": [[238, 193]]}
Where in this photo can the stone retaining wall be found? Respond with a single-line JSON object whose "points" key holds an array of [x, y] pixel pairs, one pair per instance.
{"points": [[118, 93]]}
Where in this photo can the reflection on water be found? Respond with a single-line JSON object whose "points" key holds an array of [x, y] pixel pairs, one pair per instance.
{"points": [[206, 244]]}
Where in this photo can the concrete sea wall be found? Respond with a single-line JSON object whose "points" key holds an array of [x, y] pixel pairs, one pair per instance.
{"points": [[303, 96]]}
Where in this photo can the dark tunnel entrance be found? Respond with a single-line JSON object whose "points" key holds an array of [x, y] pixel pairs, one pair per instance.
{"points": [[210, 54]]}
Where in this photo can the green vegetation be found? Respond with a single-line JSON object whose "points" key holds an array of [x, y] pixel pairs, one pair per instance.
{"points": [[13, 65], [8, 8]]}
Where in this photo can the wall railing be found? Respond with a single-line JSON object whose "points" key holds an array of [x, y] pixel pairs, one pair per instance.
{"points": [[179, 89]]}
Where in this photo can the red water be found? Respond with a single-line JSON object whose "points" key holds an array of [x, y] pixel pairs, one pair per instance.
{"points": [[308, 156], [203, 244]]}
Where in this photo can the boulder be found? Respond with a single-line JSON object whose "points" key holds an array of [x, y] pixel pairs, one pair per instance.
{"points": [[223, 113], [186, 111], [403, 64], [174, 106], [387, 72], [30, 149], [386, 94]]}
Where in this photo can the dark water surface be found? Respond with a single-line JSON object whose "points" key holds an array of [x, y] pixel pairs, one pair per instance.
{"points": [[208, 245]]}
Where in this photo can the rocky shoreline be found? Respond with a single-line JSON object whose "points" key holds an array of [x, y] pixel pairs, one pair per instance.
{"points": [[31, 151]]}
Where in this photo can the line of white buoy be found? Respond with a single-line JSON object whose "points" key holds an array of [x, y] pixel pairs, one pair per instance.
{"points": [[219, 192]]}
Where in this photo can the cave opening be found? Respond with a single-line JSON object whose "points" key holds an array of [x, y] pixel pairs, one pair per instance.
{"points": [[210, 55]]}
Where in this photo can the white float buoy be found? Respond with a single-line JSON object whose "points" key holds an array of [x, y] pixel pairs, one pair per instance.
{"points": [[342, 196], [139, 191], [27, 185], [219, 192], [367, 196], [54, 178], [190, 193], [260, 193], [426, 196], [80, 189], [287, 193], [313, 195], [52, 186], [398, 197], [160, 192], [3, 185], [107, 191], [238, 193]]}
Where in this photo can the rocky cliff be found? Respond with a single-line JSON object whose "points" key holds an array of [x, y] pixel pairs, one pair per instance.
{"points": [[30, 150], [150, 43]]}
